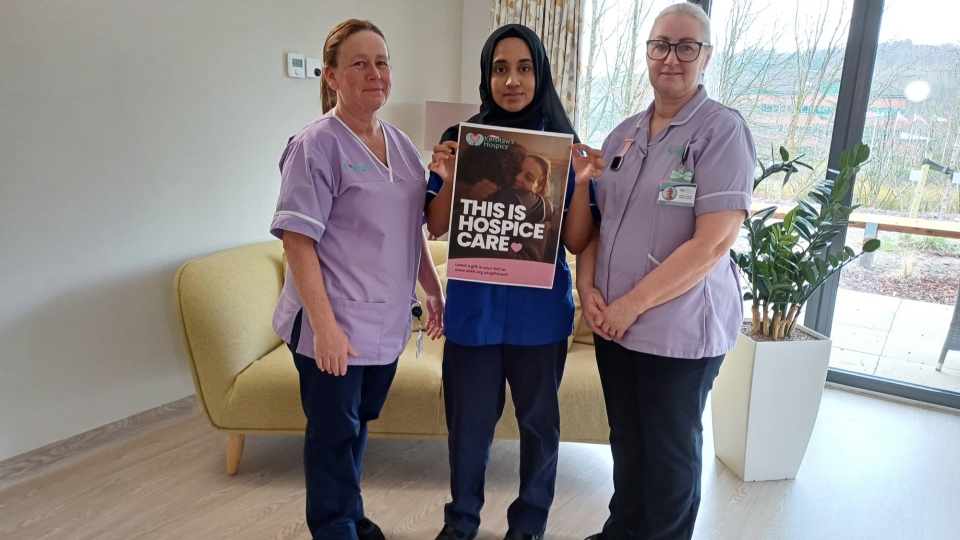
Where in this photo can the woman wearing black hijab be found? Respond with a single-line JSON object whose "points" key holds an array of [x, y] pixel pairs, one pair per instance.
{"points": [[499, 333]]}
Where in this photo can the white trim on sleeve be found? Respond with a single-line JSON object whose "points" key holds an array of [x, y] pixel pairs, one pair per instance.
{"points": [[720, 194], [301, 216]]}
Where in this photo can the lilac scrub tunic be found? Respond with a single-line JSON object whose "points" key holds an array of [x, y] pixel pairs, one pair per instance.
{"points": [[365, 217], [637, 233]]}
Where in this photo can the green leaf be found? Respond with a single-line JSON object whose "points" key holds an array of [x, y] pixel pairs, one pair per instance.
{"points": [[784, 154], [819, 198], [807, 208], [871, 245], [790, 217], [764, 214]]}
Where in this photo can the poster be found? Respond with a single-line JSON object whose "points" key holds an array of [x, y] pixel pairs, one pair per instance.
{"points": [[509, 191]]}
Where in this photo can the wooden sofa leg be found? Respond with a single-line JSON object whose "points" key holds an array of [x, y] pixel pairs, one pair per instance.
{"points": [[234, 453]]}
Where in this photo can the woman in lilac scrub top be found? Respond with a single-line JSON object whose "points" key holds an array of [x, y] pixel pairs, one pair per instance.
{"points": [[350, 216], [657, 284]]}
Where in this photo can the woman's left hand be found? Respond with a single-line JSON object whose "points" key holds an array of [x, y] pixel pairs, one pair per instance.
{"points": [[587, 166], [618, 317], [444, 160], [435, 305]]}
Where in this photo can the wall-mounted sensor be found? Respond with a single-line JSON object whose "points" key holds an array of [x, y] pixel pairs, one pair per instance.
{"points": [[314, 67], [296, 65]]}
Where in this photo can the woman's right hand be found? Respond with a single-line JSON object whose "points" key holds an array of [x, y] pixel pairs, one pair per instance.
{"points": [[443, 160], [593, 305], [332, 347], [587, 166]]}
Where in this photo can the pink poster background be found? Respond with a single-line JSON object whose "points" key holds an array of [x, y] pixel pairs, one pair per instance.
{"points": [[503, 272]]}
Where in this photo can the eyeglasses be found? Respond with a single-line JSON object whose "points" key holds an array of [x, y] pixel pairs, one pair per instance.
{"points": [[687, 51]]}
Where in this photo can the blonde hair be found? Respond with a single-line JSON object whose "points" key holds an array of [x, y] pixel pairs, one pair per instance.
{"points": [[331, 47], [543, 182], [690, 10]]}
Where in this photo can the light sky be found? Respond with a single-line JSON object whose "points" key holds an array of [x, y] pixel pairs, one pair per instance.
{"points": [[931, 22]]}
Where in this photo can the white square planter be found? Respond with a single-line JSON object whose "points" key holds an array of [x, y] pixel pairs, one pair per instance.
{"points": [[765, 403]]}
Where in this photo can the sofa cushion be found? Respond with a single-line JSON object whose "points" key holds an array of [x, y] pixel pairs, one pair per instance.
{"points": [[266, 396], [225, 302], [413, 406], [438, 251], [583, 415], [581, 332]]}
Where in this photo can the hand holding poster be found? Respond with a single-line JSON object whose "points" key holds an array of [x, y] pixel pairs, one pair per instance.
{"points": [[509, 191]]}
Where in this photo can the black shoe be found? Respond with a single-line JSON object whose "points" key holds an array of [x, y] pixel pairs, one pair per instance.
{"points": [[598, 536], [513, 534], [449, 533], [368, 530]]}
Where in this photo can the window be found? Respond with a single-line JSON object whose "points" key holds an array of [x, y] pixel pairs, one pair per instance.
{"points": [[614, 64], [779, 64]]}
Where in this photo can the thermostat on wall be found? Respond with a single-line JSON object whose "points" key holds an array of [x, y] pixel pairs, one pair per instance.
{"points": [[296, 65], [314, 67]]}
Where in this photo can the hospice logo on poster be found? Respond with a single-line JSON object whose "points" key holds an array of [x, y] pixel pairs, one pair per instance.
{"points": [[489, 141], [475, 139]]}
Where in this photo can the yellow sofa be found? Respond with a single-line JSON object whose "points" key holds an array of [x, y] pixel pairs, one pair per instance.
{"points": [[246, 382]]}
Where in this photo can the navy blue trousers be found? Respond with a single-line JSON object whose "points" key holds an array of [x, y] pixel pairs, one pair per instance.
{"points": [[474, 394], [337, 411], [654, 407]]}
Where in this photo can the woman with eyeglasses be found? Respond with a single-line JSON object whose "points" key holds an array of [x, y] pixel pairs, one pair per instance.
{"points": [[656, 282]]}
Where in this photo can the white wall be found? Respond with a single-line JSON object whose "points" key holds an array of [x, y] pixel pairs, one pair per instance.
{"points": [[476, 28], [135, 135]]}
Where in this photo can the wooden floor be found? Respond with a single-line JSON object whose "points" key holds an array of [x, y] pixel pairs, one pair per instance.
{"points": [[875, 470]]}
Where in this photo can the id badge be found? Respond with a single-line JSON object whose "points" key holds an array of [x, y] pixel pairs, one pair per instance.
{"points": [[677, 194]]}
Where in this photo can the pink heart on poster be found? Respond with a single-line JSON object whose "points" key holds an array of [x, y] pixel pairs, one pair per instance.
{"points": [[473, 138], [516, 247]]}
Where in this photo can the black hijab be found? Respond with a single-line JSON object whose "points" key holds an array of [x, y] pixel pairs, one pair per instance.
{"points": [[545, 104]]}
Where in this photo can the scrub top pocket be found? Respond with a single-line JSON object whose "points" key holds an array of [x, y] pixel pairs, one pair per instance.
{"points": [[671, 226], [363, 324]]}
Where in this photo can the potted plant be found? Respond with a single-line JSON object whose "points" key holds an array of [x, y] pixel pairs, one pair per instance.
{"points": [[766, 398]]}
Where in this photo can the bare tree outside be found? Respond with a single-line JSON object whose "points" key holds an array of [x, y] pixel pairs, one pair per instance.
{"points": [[746, 67], [779, 64], [615, 82]]}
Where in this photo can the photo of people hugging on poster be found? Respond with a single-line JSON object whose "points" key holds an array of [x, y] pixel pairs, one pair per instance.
{"points": [[504, 204]]}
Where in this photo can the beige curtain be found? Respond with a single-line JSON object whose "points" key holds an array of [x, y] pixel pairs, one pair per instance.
{"points": [[559, 24]]}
